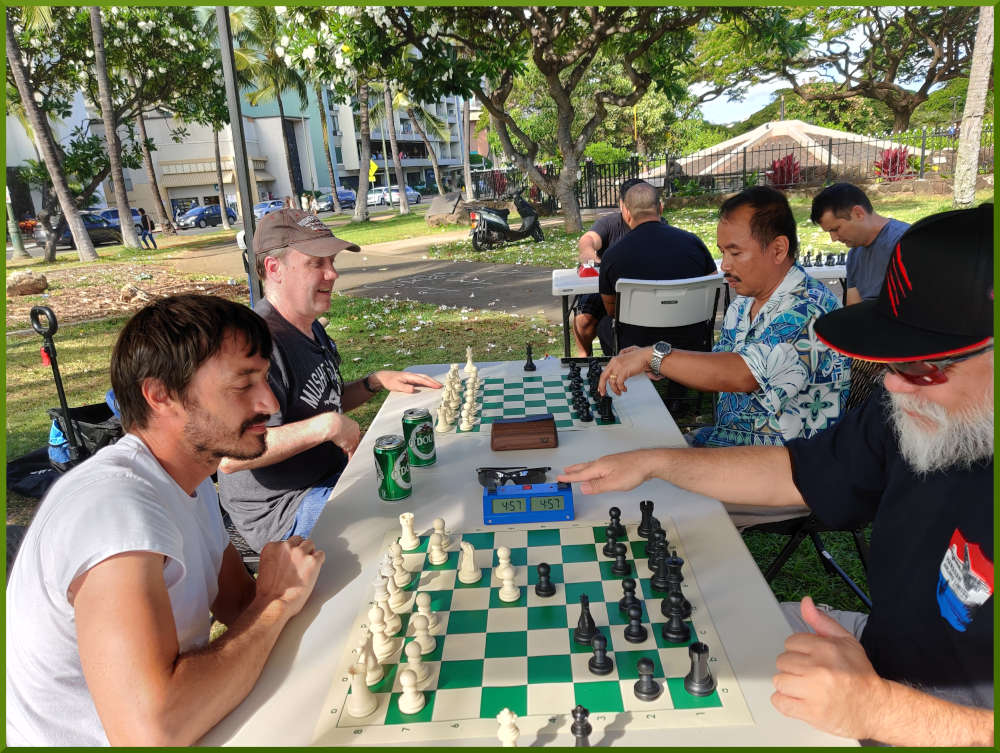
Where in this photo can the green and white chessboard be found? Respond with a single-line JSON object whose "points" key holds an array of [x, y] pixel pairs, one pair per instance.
{"points": [[521, 655], [498, 398]]}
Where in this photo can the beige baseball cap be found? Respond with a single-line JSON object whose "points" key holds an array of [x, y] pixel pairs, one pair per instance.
{"points": [[301, 230]]}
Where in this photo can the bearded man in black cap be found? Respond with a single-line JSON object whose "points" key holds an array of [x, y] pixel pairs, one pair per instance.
{"points": [[917, 461]]}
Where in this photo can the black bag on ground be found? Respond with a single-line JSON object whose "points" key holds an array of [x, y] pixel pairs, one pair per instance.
{"points": [[95, 425]]}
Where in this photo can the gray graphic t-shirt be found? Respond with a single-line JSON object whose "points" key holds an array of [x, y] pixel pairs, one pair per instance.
{"points": [[866, 265], [305, 378]]}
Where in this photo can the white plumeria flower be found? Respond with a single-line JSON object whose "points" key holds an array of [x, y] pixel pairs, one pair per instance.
{"points": [[285, 40], [279, 51]]}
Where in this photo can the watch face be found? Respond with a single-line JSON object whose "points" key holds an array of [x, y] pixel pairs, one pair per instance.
{"points": [[662, 348]]}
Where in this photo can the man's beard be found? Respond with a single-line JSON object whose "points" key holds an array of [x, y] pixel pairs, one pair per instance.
{"points": [[208, 441], [941, 439]]}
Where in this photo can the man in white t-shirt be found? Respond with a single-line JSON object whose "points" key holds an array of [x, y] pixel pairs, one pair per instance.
{"points": [[111, 599]]}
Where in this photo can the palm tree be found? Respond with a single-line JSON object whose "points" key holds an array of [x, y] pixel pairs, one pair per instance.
{"points": [[382, 111], [260, 56], [364, 128], [129, 236], [423, 121], [159, 211], [967, 161], [326, 146]]}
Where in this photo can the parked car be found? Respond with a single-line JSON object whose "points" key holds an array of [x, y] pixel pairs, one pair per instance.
{"points": [[266, 207], [205, 216], [98, 228], [411, 195], [111, 215], [377, 196], [346, 196]]}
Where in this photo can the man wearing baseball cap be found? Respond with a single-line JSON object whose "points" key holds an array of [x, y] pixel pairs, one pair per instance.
{"points": [[309, 439], [916, 460]]}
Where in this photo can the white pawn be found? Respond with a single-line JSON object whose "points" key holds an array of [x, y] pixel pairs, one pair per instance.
{"points": [[361, 702], [474, 373], [393, 623], [438, 526], [503, 557], [508, 732], [409, 540], [424, 608], [398, 598], [382, 644], [412, 699], [366, 656], [469, 365], [467, 571], [453, 371], [421, 636], [508, 591], [436, 554], [468, 423], [401, 575], [415, 662], [442, 426]]}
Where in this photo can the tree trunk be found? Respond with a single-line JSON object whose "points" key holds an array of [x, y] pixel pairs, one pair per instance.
{"points": [[466, 125], [326, 149], [430, 151], [125, 224], [160, 211], [967, 159], [284, 144], [223, 206], [901, 119], [566, 192], [397, 163], [47, 145], [365, 157]]}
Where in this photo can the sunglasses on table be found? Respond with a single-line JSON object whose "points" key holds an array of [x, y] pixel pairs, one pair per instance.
{"points": [[517, 475], [923, 373]]}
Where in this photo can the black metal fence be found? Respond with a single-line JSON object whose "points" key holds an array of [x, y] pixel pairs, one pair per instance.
{"points": [[780, 160]]}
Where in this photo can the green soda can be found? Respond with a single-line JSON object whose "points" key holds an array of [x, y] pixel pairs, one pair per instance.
{"points": [[392, 467], [418, 431]]}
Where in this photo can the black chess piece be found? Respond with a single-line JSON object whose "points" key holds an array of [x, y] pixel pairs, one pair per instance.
{"points": [[610, 540], [635, 632], [586, 415], [699, 680], [656, 548], [685, 604], [580, 727], [646, 688], [616, 522], [659, 580], [842, 258], [621, 565], [600, 663], [586, 628], [604, 406], [529, 365], [675, 630], [544, 587], [629, 599], [646, 523], [807, 260]]}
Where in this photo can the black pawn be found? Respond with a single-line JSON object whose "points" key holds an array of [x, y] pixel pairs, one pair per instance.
{"points": [[634, 631], [586, 414], [675, 630], [646, 523], [659, 581], [544, 587], [586, 628], [629, 599], [646, 688], [616, 522], [611, 538], [675, 591], [621, 565], [699, 680], [656, 549], [529, 365], [581, 728], [600, 663], [604, 407]]}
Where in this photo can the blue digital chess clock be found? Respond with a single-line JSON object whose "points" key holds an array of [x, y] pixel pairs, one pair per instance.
{"points": [[527, 503]]}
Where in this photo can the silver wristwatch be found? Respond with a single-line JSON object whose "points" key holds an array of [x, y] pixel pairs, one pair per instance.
{"points": [[660, 351]]}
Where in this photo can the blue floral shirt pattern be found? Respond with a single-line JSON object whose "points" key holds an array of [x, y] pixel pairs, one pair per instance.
{"points": [[803, 384]]}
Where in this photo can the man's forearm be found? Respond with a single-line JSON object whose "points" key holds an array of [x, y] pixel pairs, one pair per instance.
{"points": [[283, 442], [709, 372], [739, 475], [911, 717], [355, 393]]}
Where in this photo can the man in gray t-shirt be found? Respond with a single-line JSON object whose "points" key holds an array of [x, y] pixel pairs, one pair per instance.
{"points": [[845, 212], [309, 439]]}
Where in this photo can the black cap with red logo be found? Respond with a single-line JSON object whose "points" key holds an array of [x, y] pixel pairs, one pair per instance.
{"points": [[937, 297]]}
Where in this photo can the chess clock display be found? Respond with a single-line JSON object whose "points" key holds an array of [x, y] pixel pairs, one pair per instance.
{"points": [[527, 503]]}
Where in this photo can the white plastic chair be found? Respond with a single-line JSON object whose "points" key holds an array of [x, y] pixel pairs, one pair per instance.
{"points": [[667, 303]]}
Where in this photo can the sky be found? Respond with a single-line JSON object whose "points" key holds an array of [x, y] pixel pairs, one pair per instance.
{"points": [[723, 111]]}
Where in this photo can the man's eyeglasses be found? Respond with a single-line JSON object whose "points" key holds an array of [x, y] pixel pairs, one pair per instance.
{"points": [[516, 475], [925, 373]]}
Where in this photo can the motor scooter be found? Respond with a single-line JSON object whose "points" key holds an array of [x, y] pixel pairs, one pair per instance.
{"points": [[490, 227]]}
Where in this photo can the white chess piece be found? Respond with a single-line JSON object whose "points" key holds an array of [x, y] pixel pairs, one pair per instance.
{"points": [[508, 591], [383, 646], [412, 699], [442, 426], [467, 571], [467, 423], [361, 702], [421, 636], [401, 575], [409, 540], [366, 656], [474, 374], [436, 554], [415, 662], [393, 623], [438, 526], [424, 608], [469, 365], [453, 371], [398, 598], [508, 731], [503, 557]]}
